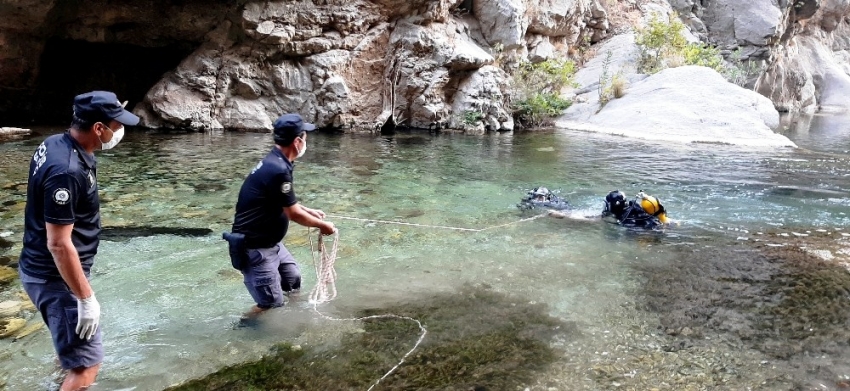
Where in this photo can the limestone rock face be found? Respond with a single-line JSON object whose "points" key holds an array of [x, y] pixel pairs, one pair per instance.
{"points": [[356, 64], [801, 44], [684, 104], [349, 65]]}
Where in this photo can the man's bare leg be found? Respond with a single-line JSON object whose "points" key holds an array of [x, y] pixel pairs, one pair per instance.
{"points": [[253, 313], [80, 378]]}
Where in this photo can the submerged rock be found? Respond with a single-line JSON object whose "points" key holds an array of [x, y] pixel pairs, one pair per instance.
{"points": [[476, 340], [7, 274], [10, 326], [29, 329], [784, 302], [9, 308], [127, 233]]}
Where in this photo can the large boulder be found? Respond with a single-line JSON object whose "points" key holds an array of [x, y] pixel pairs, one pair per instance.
{"points": [[800, 43], [685, 104]]}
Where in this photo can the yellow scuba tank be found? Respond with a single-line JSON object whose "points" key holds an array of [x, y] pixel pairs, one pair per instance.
{"points": [[652, 206]]}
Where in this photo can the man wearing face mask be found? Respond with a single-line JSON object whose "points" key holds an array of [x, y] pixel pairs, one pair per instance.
{"points": [[265, 206], [61, 230]]}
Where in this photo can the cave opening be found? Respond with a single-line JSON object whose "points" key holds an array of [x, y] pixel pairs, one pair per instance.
{"points": [[71, 67], [465, 7]]}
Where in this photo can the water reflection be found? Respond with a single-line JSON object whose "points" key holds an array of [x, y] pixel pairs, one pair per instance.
{"points": [[170, 302]]}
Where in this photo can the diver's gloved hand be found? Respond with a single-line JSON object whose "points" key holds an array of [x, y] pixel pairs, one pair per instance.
{"points": [[88, 317]]}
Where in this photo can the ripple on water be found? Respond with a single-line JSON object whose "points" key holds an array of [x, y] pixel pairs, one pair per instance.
{"points": [[172, 301]]}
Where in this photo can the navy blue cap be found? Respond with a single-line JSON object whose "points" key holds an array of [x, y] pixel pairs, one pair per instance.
{"points": [[289, 126], [99, 106]]}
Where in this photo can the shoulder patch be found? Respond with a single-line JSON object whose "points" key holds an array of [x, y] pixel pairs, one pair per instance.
{"points": [[260, 164], [286, 187], [61, 196]]}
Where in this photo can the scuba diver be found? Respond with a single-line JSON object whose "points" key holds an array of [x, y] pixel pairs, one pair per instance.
{"points": [[542, 198], [644, 211]]}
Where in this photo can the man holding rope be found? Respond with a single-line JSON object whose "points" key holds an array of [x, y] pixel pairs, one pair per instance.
{"points": [[265, 206]]}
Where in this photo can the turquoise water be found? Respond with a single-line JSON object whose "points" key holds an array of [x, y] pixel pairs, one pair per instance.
{"points": [[170, 302]]}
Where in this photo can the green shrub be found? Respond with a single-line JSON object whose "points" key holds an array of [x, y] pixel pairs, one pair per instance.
{"points": [[703, 55], [472, 117], [740, 71], [536, 90], [539, 108], [659, 43], [662, 45]]}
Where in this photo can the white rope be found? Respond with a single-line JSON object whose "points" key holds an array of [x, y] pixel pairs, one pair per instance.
{"points": [[325, 291], [438, 226]]}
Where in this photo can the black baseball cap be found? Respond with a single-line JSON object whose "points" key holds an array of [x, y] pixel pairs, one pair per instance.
{"points": [[97, 106], [289, 126]]}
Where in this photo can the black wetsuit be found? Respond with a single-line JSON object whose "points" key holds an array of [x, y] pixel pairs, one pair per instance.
{"points": [[551, 202], [634, 216]]}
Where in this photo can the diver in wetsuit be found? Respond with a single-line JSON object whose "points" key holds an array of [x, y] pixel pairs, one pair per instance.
{"points": [[644, 211], [542, 198]]}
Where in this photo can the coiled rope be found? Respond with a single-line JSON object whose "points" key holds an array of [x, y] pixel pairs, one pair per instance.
{"points": [[325, 289]]}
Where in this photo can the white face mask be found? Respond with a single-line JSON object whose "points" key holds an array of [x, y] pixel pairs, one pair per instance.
{"points": [[302, 151], [117, 135]]}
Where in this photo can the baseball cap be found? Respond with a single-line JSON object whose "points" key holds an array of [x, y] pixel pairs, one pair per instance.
{"points": [[289, 126], [101, 106]]}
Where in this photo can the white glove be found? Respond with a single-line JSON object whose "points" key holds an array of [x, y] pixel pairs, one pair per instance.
{"points": [[88, 317]]}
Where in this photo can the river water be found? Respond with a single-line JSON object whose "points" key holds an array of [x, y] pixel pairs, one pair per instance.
{"points": [[171, 302]]}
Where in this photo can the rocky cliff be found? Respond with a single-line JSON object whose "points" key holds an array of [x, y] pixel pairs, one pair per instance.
{"points": [[367, 64], [801, 46], [361, 63]]}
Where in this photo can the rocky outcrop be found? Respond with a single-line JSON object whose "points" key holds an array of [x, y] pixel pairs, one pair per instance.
{"points": [[801, 46], [359, 64], [352, 66], [685, 104]]}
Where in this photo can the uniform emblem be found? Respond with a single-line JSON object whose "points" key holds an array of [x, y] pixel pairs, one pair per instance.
{"points": [[260, 164], [39, 157], [286, 187], [61, 196]]}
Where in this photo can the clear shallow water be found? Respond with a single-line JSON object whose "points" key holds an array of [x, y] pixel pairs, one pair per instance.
{"points": [[170, 302]]}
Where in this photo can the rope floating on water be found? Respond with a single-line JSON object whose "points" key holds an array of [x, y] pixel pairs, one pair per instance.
{"points": [[437, 226], [325, 291]]}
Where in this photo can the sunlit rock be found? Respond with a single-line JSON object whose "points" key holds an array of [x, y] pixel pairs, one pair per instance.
{"points": [[685, 104]]}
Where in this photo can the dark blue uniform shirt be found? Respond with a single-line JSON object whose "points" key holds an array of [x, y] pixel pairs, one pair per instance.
{"points": [[259, 210], [62, 190]]}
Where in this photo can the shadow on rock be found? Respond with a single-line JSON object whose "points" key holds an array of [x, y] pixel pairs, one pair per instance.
{"points": [[477, 340]]}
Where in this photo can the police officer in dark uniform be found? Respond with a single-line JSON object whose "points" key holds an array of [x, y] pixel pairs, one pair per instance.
{"points": [[61, 232], [265, 206]]}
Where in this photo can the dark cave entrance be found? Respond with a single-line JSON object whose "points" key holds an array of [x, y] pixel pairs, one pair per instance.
{"points": [[69, 67]]}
